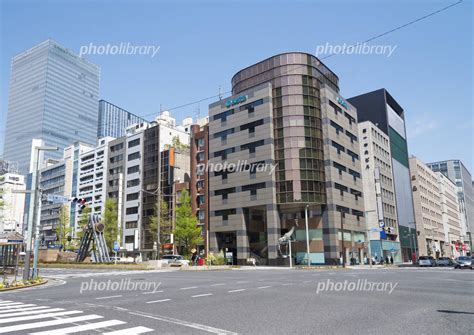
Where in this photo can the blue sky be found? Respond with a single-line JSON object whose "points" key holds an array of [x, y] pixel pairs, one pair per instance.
{"points": [[203, 43]]}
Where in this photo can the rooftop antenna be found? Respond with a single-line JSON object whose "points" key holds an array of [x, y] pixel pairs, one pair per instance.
{"points": [[197, 113], [220, 92]]}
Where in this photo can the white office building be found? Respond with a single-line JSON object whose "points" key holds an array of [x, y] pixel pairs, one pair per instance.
{"points": [[12, 211]]}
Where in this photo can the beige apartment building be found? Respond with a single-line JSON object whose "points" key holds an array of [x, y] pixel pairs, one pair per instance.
{"points": [[451, 216], [428, 210]]}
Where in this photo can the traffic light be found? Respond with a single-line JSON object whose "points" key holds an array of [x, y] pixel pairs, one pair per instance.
{"points": [[69, 239], [81, 202]]}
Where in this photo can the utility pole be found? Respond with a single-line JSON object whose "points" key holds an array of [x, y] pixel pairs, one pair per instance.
{"points": [[342, 237], [307, 234]]}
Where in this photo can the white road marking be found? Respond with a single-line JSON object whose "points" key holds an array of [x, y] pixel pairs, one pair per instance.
{"points": [[262, 287], [201, 295], [109, 297], [16, 304], [89, 326], [217, 284], [185, 323], [287, 284], [243, 282], [6, 310], [153, 292], [39, 316], [155, 301], [239, 290], [307, 281], [48, 323], [24, 309], [5, 302], [16, 313], [130, 331], [188, 288]]}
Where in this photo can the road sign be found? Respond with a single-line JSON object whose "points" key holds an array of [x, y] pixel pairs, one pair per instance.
{"points": [[57, 199], [381, 224], [116, 246]]}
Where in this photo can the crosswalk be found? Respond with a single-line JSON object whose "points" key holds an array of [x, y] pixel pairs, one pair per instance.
{"points": [[17, 317]]}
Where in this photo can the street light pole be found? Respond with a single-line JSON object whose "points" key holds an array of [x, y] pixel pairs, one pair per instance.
{"points": [[307, 234], [34, 217]]}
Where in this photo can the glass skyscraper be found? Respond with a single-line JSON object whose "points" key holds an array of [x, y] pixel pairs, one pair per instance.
{"points": [[113, 120], [53, 97]]}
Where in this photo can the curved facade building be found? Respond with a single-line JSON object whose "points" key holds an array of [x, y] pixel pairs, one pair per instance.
{"points": [[286, 117], [296, 79]]}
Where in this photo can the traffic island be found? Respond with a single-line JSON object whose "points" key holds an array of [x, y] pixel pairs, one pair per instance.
{"points": [[19, 284]]}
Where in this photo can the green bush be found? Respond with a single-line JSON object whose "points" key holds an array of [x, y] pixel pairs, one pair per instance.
{"points": [[218, 259]]}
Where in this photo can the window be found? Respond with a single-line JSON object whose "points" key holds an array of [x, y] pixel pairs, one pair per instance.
{"points": [[223, 153], [353, 155], [340, 167], [133, 169], [251, 126], [341, 188], [337, 127], [134, 143], [133, 196], [116, 147], [223, 134], [130, 239], [223, 116], [116, 159], [225, 213], [224, 192], [351, 136], [253, 188], [133, 182], [251, 146], [131, 224], [354, 174], [133, 156], [131, 210], [338, 147], [251, 106]]}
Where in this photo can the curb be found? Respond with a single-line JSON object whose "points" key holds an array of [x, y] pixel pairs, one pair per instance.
{"points": [[206, 268], [26, 286]]}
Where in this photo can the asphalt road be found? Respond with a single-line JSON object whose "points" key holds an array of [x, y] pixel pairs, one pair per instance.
{"points": [[264, 301]]}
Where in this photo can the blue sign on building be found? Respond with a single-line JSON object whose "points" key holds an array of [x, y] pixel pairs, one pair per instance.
{"points": [[342, 102], [236, 101]]}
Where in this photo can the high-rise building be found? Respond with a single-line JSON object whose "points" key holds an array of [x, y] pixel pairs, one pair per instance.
{"points": [[383, 110], [428, 211], [59, 178], [199, 185], [275, 158], [133, 180], [376, 156], [12, 211], [92, 176], [113, 120], [54, 95], [456, 171], [451, 216]]}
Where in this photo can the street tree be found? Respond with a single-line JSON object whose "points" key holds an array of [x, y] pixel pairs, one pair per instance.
{"points": [[187, 233], [165, 222], [63, 229], [110, 220]]}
